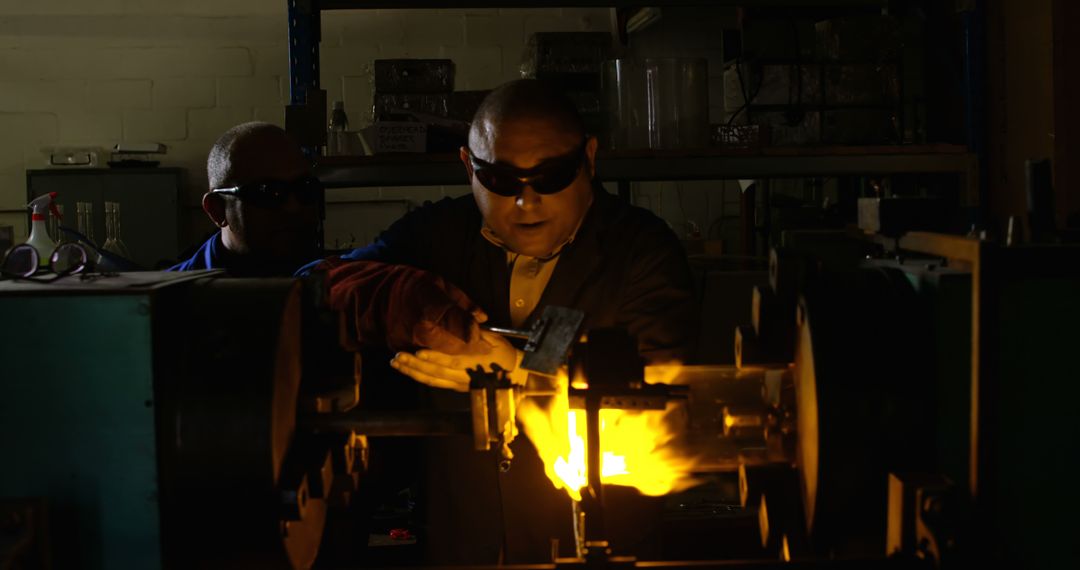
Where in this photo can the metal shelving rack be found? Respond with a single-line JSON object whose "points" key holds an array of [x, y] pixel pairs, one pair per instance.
{"points": [[619, 166], [704, 164]]}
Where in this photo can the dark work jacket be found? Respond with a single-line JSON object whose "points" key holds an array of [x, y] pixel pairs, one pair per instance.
{"points": [[625, 267]]}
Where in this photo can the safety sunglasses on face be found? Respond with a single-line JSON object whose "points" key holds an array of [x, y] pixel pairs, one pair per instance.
{"points": [[274, 193], [551, 176]]}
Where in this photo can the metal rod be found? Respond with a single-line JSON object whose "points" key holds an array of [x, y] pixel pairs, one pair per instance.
{"points": [[594, 499], [391, 424], [512, 333]]}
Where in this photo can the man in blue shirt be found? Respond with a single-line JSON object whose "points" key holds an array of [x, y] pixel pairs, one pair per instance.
{"points": [[265, 201]]}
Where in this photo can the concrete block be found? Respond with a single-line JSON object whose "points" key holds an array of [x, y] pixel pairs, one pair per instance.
{"points": [[231, 8], [433, 30], [223, 31], [117, 94], [275, 115], [186, 93], [352, 60], [589, 19], [206, 125], [65, 7], [507, 32], [51, 63], [431, 51], [167, 62], [368, 28], [155, 126], [47, 96], [191, 155], [28, 130], [103, 128], [476, 67], [249, 92], [15, 220], [548, 23], [207, 62], [272, 59]]}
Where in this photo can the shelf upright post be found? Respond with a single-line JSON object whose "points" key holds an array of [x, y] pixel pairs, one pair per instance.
{"points": [[304, 34], [973, 24], [305, 30]]}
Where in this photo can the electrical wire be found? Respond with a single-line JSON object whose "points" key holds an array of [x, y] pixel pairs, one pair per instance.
{"points": [[747, 99]]}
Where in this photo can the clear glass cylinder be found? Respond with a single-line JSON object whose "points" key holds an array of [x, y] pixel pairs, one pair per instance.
{"points": [[84, 220], [677, 93], [112, 210], [53, 225], [623, 84], [108, 245]]}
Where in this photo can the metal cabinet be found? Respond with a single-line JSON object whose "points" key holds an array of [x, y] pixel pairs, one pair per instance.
{"points": [[149, 201]]}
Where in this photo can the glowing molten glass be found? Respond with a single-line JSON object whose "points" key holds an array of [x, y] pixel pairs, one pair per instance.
{"points": [[636, 445]]}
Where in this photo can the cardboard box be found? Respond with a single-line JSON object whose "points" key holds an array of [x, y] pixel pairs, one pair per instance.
{"points": [[399, 136]]}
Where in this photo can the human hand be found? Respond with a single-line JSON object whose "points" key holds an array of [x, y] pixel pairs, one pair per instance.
{"points": [[402, 307], [457, 331], [445, 370]]}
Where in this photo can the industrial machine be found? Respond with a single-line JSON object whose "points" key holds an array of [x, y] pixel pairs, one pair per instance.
{"points": [[889, 410]]}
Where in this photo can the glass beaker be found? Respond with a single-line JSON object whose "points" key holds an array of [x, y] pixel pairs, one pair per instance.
{"points": [[677, 92], [623, 83]]}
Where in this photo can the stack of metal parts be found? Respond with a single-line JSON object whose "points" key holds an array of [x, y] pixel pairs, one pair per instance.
{"points": [[412, 97], [572, 61], [404, 86], [837, 82]]}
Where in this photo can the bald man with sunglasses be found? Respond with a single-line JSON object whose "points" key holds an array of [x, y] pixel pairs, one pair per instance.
{"points": [[265, 202], [536, 231]]}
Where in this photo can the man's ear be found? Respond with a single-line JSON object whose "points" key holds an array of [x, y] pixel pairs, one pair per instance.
{"points": [[214, 206], [590, 154], [467, 161]]}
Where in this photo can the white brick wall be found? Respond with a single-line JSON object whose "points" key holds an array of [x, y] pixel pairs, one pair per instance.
{"points": [[117, 94], [94, 73], [183, 93], [158, 125]]}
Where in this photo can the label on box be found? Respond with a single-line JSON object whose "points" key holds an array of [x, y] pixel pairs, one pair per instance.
{"points": [[396, 136]]}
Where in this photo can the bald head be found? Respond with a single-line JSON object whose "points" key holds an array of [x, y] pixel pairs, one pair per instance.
{"points": [[244, 153], [524, 101], [248, 156]]}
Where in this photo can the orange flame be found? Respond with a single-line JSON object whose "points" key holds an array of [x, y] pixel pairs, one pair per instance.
{"points": [[637, 446]]}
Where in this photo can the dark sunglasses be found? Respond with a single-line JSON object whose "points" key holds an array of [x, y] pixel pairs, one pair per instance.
{"points": [[274, 193], [551, 176]]}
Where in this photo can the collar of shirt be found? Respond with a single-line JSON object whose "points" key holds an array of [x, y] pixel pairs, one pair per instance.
{"points": [[511, 255]]}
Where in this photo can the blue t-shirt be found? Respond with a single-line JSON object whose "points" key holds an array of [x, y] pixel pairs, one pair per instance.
{"points": [[208, 256]]}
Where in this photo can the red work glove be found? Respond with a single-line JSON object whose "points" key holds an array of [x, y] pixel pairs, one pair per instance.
{"points": [[401, 307]]}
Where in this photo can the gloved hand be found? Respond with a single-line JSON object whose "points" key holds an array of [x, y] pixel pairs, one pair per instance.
{"points": [[403, 308], [442, 370]]}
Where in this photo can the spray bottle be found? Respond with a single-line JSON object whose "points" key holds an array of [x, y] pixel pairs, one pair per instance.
{"points": [[39, 234]]}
